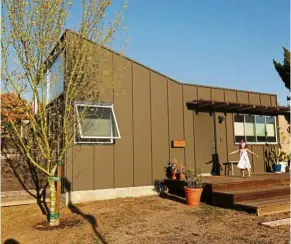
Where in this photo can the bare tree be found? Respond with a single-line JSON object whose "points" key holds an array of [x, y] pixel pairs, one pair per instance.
{"points": [[34, 39]]}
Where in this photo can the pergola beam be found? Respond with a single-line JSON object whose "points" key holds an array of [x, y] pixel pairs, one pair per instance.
{"points": [[220, 105], [227, 107]]}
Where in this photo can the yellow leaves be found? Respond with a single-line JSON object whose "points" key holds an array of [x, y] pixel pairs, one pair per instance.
{"points": [[106, 72]]}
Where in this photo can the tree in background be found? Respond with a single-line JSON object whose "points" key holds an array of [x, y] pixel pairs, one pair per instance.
{"points": [[30, 43], [284, 69], [13, 109], [284, 72]]}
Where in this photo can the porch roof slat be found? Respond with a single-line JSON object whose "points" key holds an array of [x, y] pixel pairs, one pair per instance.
{"points": [[231, 107]]}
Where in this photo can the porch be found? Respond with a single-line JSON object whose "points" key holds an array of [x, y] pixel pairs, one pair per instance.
{"points": [[263, 194]]}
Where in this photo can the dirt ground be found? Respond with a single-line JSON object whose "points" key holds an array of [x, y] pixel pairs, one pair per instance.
{"points": [[141, 220]]}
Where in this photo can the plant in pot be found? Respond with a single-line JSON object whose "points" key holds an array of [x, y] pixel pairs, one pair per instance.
{"points": [[280, 158], [171, 169], [194, 186], [181, 172]]}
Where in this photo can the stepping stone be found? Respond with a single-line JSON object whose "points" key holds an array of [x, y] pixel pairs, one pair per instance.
{"points": [[277, 222]]}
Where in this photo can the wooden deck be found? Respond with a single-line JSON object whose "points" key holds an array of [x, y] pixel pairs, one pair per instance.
{"points": [[262, 194], [236, 178]]}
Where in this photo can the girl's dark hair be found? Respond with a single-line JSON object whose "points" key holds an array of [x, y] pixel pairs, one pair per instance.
{"points": [[240, 144]]}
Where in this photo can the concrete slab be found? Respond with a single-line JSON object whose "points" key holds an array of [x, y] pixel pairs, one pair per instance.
{"points": [[276, 223]]}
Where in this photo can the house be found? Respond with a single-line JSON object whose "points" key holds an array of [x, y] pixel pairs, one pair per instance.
{"points": [[149, 119]]}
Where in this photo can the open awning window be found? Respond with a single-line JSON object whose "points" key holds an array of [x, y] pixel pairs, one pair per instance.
{"points": [[97, 121]]}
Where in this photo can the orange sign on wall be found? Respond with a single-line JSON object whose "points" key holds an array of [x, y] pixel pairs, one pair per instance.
{"points": [[178, 143]]}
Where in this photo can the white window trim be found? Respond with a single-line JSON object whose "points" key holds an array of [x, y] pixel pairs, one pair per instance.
{"points": [[93, 142], [258, 143], [99, 106]]}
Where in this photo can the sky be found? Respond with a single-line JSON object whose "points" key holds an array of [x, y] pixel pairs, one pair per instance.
{"points": [[225, 43]]}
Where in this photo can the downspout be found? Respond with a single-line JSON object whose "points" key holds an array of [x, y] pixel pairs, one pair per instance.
{"points": [[215, 154]]}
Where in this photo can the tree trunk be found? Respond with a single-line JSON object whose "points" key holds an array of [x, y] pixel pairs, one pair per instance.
{"points": [[54, 217]]}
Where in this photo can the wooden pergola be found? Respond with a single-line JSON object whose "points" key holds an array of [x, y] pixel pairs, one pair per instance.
{"points": [[230, 107]]}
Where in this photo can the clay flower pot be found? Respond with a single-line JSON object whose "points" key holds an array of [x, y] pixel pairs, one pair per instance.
{"points": [[193, 196], [174, 175]]}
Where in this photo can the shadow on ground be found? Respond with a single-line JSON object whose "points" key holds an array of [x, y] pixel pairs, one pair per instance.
{"points": [[172, 197], [11, 241], [87, 217]]}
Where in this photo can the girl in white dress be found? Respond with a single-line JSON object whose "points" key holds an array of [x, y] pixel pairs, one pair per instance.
{"points": [[244, 162]]}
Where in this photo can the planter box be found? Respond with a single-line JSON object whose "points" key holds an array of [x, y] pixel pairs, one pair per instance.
{"points": [[284, 166], [176, 187]]}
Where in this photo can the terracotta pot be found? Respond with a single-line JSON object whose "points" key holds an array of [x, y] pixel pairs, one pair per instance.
{"points": [[193, 196], [181, 176], [174, 175]]}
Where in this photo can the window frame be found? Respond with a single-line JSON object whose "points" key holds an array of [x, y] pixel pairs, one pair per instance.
{"points": [[256, 143], [96, 141], [48, 82], [99, 105]]}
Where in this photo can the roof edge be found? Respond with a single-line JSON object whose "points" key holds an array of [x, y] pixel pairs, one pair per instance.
{"points": [[168, 77]]}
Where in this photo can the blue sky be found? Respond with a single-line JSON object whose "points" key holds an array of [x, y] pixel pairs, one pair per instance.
{"points": [[228, 43]]}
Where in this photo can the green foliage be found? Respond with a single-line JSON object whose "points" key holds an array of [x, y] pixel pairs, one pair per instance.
{"points": [[193, 178], [277, 154], [284, 69]]}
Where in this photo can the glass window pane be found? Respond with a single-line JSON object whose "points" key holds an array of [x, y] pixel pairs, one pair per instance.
{"points": [[270, 120], [97, 122], [271, 139], [250, 128], [56, 78], [260, 126], [250, 125], [239, 125], [260, 129], [238, 118], [271, 129], [251, 139]]}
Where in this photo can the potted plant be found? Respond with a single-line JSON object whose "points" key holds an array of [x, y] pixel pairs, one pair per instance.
{"points": [[181, 172], [171, 169], [280, 158], [284, 162], [194, 187]]}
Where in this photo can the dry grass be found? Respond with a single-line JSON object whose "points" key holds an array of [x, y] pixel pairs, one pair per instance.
{"points": [[141, 220]]}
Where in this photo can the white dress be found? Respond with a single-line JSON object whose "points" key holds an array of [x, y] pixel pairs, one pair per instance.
{"points": [[244, 162]]}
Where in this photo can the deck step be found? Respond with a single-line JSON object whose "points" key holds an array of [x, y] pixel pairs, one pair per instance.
{"points": [[251, 183], [227, 198], [266, 206]]}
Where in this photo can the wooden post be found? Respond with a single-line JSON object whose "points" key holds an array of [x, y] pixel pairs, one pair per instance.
{"points": [[58, 190]]}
